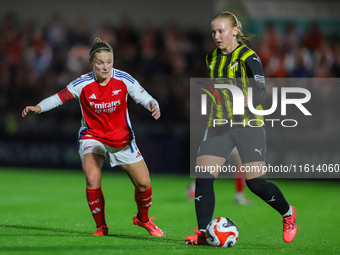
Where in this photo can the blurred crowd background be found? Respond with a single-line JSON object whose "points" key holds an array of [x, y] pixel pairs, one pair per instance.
{"points": [[37, 59]]}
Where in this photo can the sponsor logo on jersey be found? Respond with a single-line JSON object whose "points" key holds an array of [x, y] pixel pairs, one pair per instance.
{"points": [[93, 96], [105, 107], [259, 78], [115, 92]]}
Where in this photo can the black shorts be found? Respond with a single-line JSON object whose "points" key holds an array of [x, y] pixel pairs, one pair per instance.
{"points": [[249, 141]]}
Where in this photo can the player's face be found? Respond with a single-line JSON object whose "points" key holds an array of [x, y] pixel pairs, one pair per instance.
{"points": [[102, 64], [224, 35]]}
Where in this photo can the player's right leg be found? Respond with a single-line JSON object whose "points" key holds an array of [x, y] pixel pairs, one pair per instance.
{"points": [[91, 152], [214, 150], [204, 198]]}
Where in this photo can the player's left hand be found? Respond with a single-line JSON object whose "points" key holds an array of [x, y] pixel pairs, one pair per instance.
{"points": [[156, 113]]}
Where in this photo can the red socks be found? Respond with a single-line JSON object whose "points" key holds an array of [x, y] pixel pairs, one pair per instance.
{"points": [[144, 201], [239, 181], [96, 201]]}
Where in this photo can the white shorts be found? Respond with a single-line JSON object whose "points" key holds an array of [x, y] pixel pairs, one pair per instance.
{"points": [[118, 156]]}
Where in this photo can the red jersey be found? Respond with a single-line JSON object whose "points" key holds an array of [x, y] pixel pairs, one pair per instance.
{"points": [[104, 110]]}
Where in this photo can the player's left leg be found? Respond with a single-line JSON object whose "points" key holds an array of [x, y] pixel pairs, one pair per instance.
{"points": [[272, 195], [139, 175], [252, 148]]}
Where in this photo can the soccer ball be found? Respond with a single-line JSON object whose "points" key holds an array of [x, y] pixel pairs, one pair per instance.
{"points": [[222, 232]]}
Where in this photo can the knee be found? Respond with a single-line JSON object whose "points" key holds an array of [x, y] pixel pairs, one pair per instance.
{"points": [[204, 176], [143, 185]]}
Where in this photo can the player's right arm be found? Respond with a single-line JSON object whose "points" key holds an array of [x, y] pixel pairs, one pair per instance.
{"points": [[35, 109], [49, 103]]}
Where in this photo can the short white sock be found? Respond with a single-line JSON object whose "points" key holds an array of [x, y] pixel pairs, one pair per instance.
{"points": [[239, 195], [288, 213]]}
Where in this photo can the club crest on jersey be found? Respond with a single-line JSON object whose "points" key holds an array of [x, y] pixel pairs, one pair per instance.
{"points": [[115, 92], [235, 64]]}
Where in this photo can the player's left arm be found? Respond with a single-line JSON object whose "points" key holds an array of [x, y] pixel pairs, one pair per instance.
{"points": [[256, 78], [154, 107], [141, 96]]}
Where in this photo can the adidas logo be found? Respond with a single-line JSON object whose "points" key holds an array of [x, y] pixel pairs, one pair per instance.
{"points": [[145, 199], [147, 205], [93, 96], [138, 155], [97, 210]]}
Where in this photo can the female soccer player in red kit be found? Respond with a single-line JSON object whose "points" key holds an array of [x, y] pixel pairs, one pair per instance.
{"points": [[106, 130]]}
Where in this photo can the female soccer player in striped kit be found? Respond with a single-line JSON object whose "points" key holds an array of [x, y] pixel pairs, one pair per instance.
{"points": [[232, 62], [106, 130]]}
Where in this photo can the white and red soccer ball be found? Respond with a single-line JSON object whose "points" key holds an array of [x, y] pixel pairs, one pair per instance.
{"points": [[222, 232]]}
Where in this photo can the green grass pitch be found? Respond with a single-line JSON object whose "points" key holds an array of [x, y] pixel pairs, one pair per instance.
{"points": [[45, 212]]}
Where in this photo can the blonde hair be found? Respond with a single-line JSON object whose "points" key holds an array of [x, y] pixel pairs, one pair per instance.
{"points": [[234, 22], [99, 46]]}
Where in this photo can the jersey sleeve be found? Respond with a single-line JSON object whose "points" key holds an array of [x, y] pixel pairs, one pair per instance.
{"points": [[55, 100], [257, 80], [75, 87], [137, 92], [255, 70], [72, 90]]}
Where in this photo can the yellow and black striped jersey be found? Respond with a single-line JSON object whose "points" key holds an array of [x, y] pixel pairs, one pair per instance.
{"points": [[242, 68]]}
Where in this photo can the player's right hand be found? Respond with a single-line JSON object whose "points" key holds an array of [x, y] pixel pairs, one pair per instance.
{"points": [[35, 109]]}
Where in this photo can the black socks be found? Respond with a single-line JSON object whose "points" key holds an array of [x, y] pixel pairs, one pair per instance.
{"points": [[268, 192], [204, 199]]}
